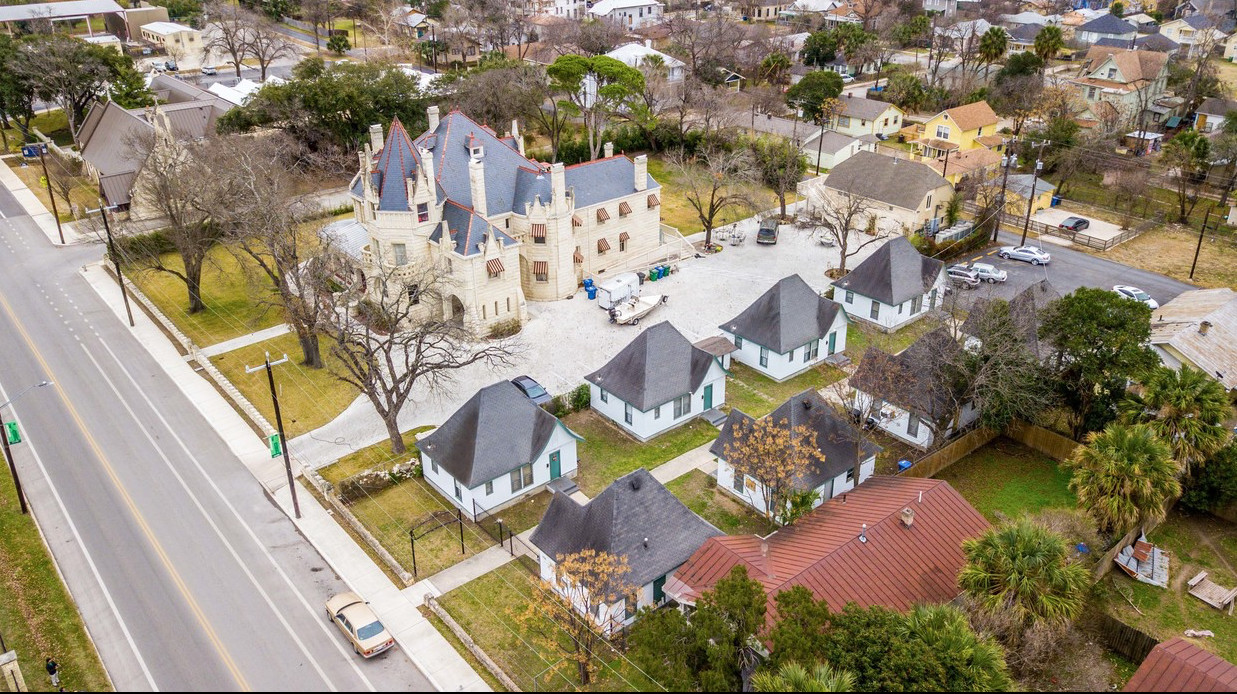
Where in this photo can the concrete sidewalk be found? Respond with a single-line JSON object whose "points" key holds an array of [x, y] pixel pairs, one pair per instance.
{"points": [[698, 458], [246, 340]]}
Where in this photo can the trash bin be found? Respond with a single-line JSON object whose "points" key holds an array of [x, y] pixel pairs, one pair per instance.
{"points": [[652, 274], [588, 283], [1056, 200], [641, 276], [904, 465], [590, 290]]}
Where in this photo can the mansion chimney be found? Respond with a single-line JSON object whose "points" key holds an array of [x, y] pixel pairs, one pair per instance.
{"points": [[432, 112], [558, 186], [641, 171], [515, 134], [608, 149], [476, 182], [376, 138]]}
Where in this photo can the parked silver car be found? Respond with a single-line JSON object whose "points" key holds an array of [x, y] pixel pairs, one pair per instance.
{"points": [[989, 273], [963, 276], [1027, 254]]}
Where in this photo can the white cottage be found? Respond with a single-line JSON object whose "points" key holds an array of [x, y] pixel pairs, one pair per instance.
{"points": [[893, 286], [496, 449], [850, 458], [636, 518], [909, 395], [788, 330], [657, 382]]}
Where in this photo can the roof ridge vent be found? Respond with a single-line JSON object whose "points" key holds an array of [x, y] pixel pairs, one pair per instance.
{"points": [[635, 482]]}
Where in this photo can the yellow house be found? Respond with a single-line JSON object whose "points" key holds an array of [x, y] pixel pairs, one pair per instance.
{"points": [[960, 129], [1019, 187], [971, 163]]}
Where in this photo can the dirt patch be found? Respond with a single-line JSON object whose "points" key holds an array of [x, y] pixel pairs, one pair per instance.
{"points": [[1170, 251]]}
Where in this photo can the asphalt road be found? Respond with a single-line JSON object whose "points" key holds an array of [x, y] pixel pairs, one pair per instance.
{"points": [[187, 576]]}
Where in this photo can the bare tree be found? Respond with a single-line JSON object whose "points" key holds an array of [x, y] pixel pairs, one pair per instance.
{"points": [[775, 455], [844, 218], [397, 338], [267, 45], [713, 183], [384, 18], [319, 14], [705, 45], [65, 174], [228, 32]]}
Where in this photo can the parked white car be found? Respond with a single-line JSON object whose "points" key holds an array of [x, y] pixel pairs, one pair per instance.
{"points": [[1136, 294], [989, 273]]}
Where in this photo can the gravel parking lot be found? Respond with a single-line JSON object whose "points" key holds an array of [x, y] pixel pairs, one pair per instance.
{"points": [[1098, 229]]}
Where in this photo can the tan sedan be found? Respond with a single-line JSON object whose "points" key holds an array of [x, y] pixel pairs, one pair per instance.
{"points": [[359, 623]]}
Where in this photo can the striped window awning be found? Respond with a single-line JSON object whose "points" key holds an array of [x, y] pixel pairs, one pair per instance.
{"points": [[602, 245], [576, 221], [577, 256], [495, 266], [602, 215], [624, 209], [541, 267], [653, 201], [624, 236], [538, 231]]}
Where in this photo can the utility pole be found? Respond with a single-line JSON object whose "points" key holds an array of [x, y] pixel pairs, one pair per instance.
{"points": [[1201, 230], [1034, 180], [1006, 162], [283, 444], [8, 453], [111, 250], [48, 180], [945, 168]]}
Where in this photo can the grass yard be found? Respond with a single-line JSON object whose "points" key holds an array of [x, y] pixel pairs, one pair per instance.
{"points": [[38, 617], [1005, 478], [892, 451], [370, 457], [860, 336], [54, 124], [700, 493], [1090, 189], [308, 398], [1170, 251], [525, 514], [1196, 542], [607, 453], [487, 608], [1227, 72], [84, 195], [678, 213], [758, 395]]}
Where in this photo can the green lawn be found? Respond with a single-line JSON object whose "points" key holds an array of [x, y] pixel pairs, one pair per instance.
{"points": [[1005, 478], [371, 457], [678, 213], [606, 453], [38, 617], [860, 336], [758, 395], [54, 124], [308, 398], [84, 195], [487, 608], [700, 493]]}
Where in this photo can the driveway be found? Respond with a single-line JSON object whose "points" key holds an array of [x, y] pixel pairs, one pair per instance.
{"points": [[1099, 229]]}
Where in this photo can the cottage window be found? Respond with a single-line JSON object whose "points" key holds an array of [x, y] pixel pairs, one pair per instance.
{"points": [[1112, 72], [738, 341], [850, 475], [682, 405], [434, 466], [457, 491], [489, 488], [423, 212], [900, 309], [885, 124], [472, 50], [811, 350], [764, 356], [912, 425], [1091, 93], [929, 205], [942, 132], [522, 477], [627, 412], [401, 254], [657, 412], [850, 297], [980, 132], [843, 121], [916, 305], [603, 396], [414, 294], [876, 310]]}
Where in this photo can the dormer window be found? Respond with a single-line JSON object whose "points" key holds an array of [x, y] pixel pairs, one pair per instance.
{"points": [[477, 151], [1112, 72]]}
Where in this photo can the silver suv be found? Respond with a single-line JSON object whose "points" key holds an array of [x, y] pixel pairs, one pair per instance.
{"points": [[964, 276]]}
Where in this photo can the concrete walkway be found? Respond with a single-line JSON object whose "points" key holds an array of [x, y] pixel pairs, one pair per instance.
{"points": [[455, 576], [246, 340], [698, 458]]}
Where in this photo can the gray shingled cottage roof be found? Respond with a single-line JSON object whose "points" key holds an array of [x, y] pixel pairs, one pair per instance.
{"points": [[498, 430], [895, 273], [835, 437], [1025, 309], [789, 315], [635, 517], [657, 367], [898, 182], [918, 379]]}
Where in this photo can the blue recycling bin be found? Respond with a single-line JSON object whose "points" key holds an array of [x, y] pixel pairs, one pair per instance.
{"points": [[591, 291], [904, 465], [1056, 200], [588, 283]]}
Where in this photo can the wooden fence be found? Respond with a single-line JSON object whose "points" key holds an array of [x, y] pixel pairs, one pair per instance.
{"points": [[951, 453], [1125, 639], [1049, 443]]}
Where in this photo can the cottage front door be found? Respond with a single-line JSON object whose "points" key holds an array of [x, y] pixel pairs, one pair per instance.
{"points": [[833, 342], [708, 397], [556, 465]]}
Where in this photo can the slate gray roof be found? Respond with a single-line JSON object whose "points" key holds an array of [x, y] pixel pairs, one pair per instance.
{"points": [[1024, 33], [397, 162], [105, 138], [1024, 309], [918, 379], [498, 430], [896, 182], [787, 316], [1119, 43], [595, 182], [1215, 106], [1020, 184], [835, 436], [1156, 42], [894, 273], [467, 228], [635, 517], [858, 107], [657, 367], [172, 90], [1108, 24], [833, 143], [1224, 25]]}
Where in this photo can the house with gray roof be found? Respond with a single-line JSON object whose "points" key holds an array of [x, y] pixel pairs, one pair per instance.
{"points": [[635, 518], [657, 382], [900, 196], [496, 449], [786, 331], [1105, 26], [1024, 309], [893, 286], [849, 457], [859, 117]]}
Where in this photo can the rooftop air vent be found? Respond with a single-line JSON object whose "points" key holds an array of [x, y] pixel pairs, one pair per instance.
{"points": [[908, 516]]}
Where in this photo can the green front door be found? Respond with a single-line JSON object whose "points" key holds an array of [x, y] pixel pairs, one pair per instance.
{"points": [[833, 342], [659, 592], [708, 397], [556, 465]]}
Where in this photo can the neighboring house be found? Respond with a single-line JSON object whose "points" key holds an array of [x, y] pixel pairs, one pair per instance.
{"points": [[657, 382], [893, 286], [789, 329], [638, 54], [1199, 328], [860, 116], [1159, 43], [1129, 81], [834, 149], [629, 14], [763, 10], [505, 227], [242, 92], [1144, 23], [1021, 188], [561, 9], [946, 7], [1106, 26], [902, 196], [955, 166], [413, 24], [1197, 34], [1211, 8], [1025, 311], [1022, 38], [105, 40], [843, 14], [910, 395], [893, 542], [496, 449], [1178, 665], [959, 129], [635, 518], [128, 24], [1230, 47], [1212, 114], [847, 453], [183, 44]]}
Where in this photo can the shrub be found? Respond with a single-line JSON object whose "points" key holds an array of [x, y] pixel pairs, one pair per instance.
{"points": [[557, 406], [376, 479], [505, 328], [580, 398], [143, 246], [372, 315]]}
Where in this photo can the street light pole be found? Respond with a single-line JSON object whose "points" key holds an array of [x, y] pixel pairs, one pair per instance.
{"points": [[283, 444], [8, 453], [111, 250], [48, 179]]}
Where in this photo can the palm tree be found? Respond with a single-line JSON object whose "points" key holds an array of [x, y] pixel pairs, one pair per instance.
{"points": [[1048, 42], [1024, 568], [1186, 408], [992, 46], [947, 632], [793, 677], [775, 67], [1124, 476]]}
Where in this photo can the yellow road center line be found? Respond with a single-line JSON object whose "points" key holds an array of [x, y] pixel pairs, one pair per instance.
{"points": [[137, 515]]}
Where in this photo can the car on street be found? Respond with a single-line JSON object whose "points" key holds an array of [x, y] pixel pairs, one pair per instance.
{"points": [[1136, 294], [1074, 223], [359, 624], [534, 390], [989, 273], [767, 234], [1027, 254], [963, 276], [208, 70], [171, 66], [847, 79]]}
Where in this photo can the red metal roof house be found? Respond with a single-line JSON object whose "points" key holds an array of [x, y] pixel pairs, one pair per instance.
{"points": [[1177, 665]]}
